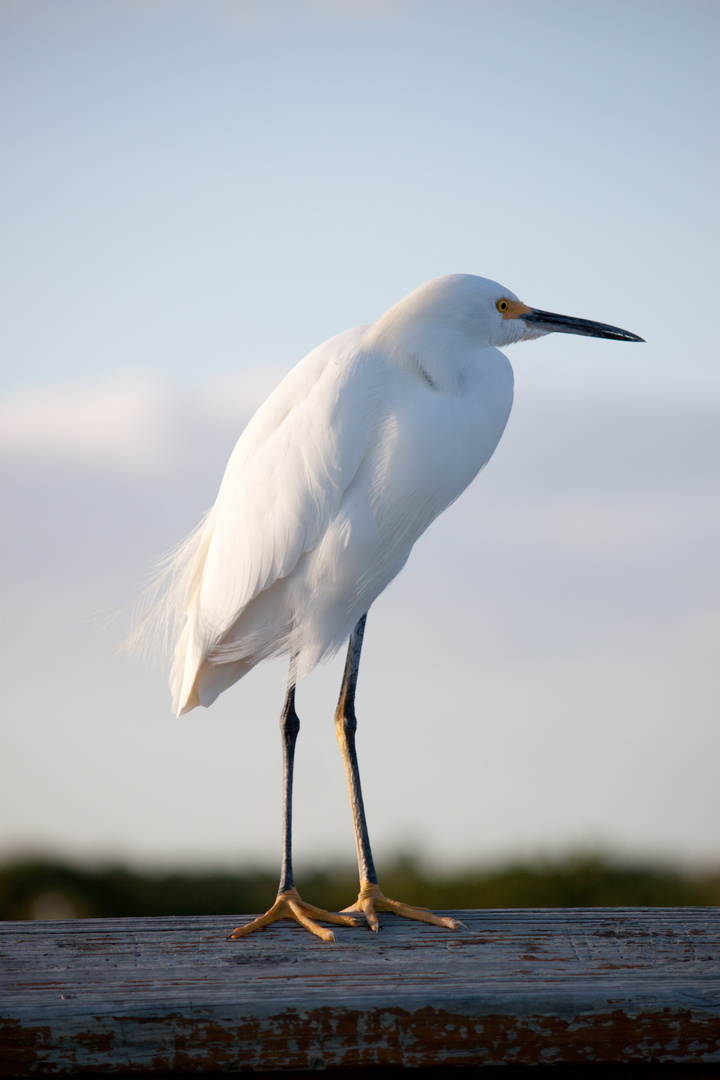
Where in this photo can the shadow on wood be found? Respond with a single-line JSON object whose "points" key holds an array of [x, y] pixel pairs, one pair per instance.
{"points": [[586, 987]]}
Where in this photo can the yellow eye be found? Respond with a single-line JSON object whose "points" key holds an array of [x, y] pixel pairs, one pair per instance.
{"points": [[502, 305]]}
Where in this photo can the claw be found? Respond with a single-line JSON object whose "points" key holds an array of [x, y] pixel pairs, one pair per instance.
{"points": [[289, 906], [371, 899]]}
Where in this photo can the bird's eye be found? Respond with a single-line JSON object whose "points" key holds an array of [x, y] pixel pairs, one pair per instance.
{"points": [[502, 305]]}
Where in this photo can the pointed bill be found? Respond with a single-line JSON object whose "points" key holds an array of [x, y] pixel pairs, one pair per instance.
{"points": [[549, 322]]}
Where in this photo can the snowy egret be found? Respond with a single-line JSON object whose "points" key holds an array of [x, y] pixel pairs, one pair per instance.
{"points": [[363, 444]]}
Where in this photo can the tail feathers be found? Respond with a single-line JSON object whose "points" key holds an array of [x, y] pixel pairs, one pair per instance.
{"points": [[183, 674], [197, 680], [165, 623], [160, 611]]}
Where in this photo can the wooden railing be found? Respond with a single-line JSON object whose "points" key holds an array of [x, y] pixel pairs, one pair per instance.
{"points": [[513, 988]]}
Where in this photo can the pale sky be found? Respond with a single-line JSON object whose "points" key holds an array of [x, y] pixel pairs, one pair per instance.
{"points": [[194, 195]]}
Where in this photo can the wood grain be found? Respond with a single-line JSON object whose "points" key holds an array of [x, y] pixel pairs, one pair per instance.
{"points": [[514, 988]]}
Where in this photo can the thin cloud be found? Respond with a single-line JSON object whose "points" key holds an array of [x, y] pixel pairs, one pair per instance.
{"points": [[121, 423], [134, 425]]}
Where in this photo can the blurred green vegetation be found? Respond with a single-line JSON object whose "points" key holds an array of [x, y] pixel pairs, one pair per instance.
{"points": [[34, 888]]}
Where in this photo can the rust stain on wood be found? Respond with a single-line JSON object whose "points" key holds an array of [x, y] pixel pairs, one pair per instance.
{"points": [[328, 1038]]}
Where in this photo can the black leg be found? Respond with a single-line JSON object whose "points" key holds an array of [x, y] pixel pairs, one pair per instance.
{"points": [[289, 728], [288, 904], [345, 728]]}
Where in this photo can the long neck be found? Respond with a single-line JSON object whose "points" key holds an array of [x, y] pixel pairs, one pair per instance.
{"points": [[436, 353]]}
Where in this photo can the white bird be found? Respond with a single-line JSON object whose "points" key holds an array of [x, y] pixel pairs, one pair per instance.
{"points": [[360, 447]]}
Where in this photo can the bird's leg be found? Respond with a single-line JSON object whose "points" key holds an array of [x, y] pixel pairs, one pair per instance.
{"points": [[370, 899], [345, 728], [288, 904], [289, 729]]}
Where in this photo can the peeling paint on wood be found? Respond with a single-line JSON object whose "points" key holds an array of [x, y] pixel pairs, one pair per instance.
{"points": [[515, 987]]}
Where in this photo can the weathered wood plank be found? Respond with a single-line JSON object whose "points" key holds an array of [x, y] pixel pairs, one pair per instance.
{"points": [[515, 987]]}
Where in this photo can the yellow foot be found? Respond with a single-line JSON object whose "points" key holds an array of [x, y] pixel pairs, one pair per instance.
{"points": [[289, 906], [370, 900]]}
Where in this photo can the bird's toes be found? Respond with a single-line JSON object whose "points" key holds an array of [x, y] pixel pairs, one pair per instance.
{"points": [[364, 907], [371, 917], [243, 931], [339, 919]]}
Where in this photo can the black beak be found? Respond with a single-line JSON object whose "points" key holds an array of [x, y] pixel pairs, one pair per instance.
{"points": [[565, 324]]}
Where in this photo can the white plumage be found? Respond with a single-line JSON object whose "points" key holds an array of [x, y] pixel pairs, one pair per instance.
{"points": [[369, 438], [336, 476]]}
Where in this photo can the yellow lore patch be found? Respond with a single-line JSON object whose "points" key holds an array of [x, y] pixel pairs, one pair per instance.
{"points": [[512, 309]]}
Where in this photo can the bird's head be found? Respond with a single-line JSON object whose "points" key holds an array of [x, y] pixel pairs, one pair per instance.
{"points": [[473, 312], [519, 322]]}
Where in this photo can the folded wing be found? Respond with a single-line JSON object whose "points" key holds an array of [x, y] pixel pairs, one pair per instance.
{"points": [[283, 484]]}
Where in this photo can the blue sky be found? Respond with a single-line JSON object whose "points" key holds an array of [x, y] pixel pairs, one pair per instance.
{"points": [[198, 193]]}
